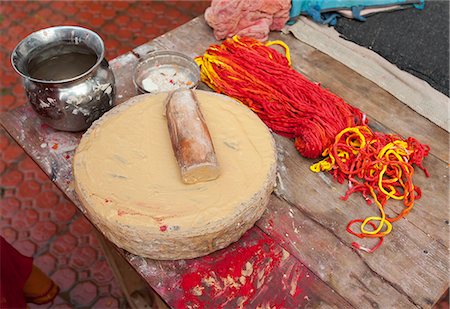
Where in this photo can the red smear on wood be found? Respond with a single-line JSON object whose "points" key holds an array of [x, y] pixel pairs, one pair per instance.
{"points": [[163, 228], [270, 224], [190, 281], [234, 275], [297, 273]]}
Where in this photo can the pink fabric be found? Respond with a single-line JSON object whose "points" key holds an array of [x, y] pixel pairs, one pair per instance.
{"points": [[252, 18]]}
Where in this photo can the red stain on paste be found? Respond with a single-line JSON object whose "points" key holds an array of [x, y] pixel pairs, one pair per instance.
{"points": [[121, 213], [234, 276], [163, 228]]}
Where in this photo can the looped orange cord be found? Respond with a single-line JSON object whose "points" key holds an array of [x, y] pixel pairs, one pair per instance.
{"points": [[378, 165]]}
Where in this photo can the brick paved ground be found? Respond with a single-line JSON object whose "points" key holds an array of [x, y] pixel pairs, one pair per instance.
{"points": [[35, 216]]}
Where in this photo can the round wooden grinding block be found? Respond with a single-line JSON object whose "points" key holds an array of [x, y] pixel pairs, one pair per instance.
{"points": [[127, 178]]}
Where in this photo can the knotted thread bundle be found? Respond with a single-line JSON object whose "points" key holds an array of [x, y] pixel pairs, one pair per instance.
{"points": [[287, 102], [378, 165]]}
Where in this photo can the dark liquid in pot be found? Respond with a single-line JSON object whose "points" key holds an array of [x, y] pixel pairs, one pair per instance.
{"points": [[62, 61]]}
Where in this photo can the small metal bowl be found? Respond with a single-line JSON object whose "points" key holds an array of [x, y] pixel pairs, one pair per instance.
{"points": [[164, 71]]}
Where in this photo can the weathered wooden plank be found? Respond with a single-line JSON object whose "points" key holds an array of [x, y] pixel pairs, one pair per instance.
{"points": [[332, 259], [252, 273], [430, 213], [376, 102], [192, 38], [123, 68], [413, 258], [136, 290]]}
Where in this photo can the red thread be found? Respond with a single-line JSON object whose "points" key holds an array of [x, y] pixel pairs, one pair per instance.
{"points": [[287, 102]]}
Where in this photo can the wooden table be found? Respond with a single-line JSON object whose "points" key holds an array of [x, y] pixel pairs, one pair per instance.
{"points": [[298, 254]]}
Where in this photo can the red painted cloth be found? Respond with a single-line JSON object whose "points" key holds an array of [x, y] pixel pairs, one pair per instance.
{"points": [[14, 272]]}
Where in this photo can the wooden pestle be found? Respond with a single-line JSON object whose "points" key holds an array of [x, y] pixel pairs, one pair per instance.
{"points": [[191, 141]]}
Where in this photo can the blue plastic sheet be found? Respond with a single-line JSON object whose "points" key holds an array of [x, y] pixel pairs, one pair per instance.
{"points": [[324, 11]]}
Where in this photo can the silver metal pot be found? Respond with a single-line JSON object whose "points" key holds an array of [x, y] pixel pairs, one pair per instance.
{"points": [[63, 101]]}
